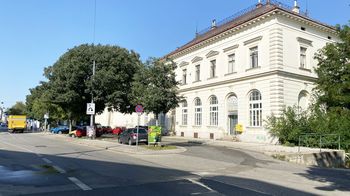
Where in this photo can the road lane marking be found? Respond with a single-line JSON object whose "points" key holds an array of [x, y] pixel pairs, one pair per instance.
{"points": [[46, 160], [62, 171], [200, 184], [80, 184]]}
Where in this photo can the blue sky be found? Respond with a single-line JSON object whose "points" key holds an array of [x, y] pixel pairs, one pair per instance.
{"points": [[35, 33]]}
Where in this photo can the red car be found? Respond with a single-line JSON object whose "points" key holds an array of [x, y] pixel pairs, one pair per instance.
{"points": [[78, 131], [118, 130], [106, 129]]}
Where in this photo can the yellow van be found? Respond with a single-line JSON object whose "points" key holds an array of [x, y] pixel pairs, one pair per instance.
{"points": [[16, 123]]}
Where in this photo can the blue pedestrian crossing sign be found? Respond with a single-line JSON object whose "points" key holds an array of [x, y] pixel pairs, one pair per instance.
{"points": [[90, 108]]}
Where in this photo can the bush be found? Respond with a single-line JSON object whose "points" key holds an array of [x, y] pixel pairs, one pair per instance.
{"points": [[293, 123]]}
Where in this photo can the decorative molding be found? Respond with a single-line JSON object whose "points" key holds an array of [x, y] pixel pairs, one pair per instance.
{"points": [[253, 76], [304, 41], [231, 48], [183, 63], [212, 53], [196, 59], [252, 40]]}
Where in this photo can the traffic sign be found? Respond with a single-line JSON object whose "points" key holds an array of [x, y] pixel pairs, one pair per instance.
{"points": [[139, 109], [46, 116], [90, 108]]}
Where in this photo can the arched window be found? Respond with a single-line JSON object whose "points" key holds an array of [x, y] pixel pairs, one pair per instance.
{"points": [[213, 111], [255, 109], [303, 100], [197, 112], [184, 112]]}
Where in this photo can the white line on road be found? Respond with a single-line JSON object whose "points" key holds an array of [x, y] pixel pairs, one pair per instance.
{"points": [[46, 160], [62, 171], [200, 184], [80, 184]]}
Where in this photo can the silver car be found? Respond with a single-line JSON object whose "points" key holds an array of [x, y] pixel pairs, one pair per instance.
{"points": [[129, 136]]}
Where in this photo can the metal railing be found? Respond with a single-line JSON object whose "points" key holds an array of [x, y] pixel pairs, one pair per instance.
{"points": [[319, 140], [237, 15]]}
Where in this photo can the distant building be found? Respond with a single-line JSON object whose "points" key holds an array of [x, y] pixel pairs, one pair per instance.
{"points": [[246, 68]]}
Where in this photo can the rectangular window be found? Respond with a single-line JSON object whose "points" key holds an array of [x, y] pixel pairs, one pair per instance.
{"points": [[198, 73], [184, 116], [214, 115], [198, 116], [212, 68], [254, 57], [184, 76], [302, 57], [231, 63]]}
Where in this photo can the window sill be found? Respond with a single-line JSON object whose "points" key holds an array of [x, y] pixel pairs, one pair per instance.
{"points": [[212, 78], [228, 74], [196, 81], [212, 126], [253, 68], [305, 69], [251, 127], [183, 125], [183, 84], [196, 125]]}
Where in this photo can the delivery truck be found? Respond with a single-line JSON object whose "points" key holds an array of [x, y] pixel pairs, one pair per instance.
{"points": [[16, 123]]}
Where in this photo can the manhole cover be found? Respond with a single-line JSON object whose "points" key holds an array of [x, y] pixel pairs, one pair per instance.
{"points": [[42, 146]]}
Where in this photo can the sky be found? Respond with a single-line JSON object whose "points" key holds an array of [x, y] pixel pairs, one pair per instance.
{"points": [[35, 33]]}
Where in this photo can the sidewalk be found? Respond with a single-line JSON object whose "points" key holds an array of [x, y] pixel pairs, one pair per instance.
{"points": [[303, 155], [257, 147], [113, 145]]}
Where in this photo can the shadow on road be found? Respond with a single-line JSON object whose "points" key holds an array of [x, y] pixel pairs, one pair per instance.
{"points": [[27, 171], [338, 178]]}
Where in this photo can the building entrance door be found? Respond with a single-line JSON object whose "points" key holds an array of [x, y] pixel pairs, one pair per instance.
{"points": [[233, 120]]}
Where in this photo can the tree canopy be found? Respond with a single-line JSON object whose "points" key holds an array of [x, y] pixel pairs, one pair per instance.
{"points": [[18, 109], [70, 81], [333, 83], [155, 86]]}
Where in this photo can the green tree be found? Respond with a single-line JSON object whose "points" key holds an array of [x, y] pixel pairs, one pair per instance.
{"points": [[71, 83], [155, 87], [18, 109], [333, 83]]}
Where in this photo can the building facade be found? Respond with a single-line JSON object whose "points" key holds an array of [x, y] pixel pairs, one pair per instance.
{"points": [[240, 71]]}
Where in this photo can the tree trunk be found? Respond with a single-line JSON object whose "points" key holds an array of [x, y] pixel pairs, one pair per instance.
{"points": [[157, 123]]}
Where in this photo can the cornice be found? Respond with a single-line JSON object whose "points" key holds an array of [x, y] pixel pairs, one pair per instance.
{"points": [[304, 41], [252, 40], [231, 48], [244, 25], [211, 54], [196, 59], [254, 76]]}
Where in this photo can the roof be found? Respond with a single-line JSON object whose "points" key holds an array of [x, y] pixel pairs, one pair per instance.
{"points": [[243, 17]]}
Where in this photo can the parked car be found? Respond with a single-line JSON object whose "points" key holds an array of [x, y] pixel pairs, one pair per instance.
{"points": [[107, 129], [78, 131], [142, 127], [60, 129], [99, 130], [118, 130], [129, 136]]}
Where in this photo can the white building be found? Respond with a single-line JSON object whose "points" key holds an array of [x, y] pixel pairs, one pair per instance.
{"points": [[246, 68]]}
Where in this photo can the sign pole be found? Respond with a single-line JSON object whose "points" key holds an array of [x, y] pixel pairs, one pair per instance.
{"points": [[138, 125]]}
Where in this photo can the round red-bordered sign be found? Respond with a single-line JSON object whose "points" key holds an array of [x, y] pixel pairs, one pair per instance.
{"points": [[139, 109]]}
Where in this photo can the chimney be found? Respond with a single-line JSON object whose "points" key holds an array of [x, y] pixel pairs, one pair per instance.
{"points": [[213, 24], [296, 8], [259, 4]]}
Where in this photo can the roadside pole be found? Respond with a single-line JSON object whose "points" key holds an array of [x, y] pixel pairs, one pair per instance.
{"points": [[46, 116], [138, 110]]}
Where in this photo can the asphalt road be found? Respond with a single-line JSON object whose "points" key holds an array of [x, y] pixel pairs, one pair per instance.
{"points": [[45, 164]]}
